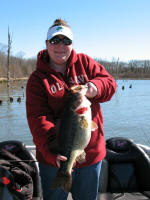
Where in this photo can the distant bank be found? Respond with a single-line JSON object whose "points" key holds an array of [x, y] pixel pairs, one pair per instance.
{"points": [[2, 79]]}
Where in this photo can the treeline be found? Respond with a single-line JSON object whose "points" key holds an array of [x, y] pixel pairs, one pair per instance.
{"points": [[22, 68], [19, 67], [134, 69]]}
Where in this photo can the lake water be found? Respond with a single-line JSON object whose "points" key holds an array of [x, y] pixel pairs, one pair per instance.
{"points": [[126, 115]]}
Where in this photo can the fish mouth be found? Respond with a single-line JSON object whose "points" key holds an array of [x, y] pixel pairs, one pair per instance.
{"points": [[78, 88], [78, 94]]}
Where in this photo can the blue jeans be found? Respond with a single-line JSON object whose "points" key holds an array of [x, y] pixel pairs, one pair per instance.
{"points": [[85, 182]]}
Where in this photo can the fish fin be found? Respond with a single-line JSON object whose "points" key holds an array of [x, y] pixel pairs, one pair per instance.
{"points": [[81, 158], [93, 126], [62, 180]]}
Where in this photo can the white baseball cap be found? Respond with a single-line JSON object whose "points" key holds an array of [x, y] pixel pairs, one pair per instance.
{"points": [[59, 30]]}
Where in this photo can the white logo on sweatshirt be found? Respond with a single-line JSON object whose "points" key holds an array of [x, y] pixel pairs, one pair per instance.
{"points": [[56, 87], [80, 79]]}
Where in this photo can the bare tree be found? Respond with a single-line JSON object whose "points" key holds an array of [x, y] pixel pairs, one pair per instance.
{"points": [[8, 58]]}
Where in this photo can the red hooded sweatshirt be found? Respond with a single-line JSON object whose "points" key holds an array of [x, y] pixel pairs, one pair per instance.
{"points": [[45, 96]]}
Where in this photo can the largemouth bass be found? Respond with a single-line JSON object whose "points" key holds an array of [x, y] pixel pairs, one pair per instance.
{"points": [[74, 135]]}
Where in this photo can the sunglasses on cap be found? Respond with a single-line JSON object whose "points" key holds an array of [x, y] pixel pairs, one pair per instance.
{"points": [[57, 40]]}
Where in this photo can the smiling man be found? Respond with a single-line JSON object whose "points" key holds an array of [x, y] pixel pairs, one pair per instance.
{"points": [[59, 68], [59, 46]]}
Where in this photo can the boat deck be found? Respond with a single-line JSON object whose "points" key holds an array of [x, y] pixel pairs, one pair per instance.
{"points": [[146, 149]]}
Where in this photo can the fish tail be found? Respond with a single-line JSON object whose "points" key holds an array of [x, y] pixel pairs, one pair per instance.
{"points": [[62, 180]]}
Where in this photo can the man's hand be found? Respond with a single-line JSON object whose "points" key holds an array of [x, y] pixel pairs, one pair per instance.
{"points": [[92, 90], [60, 158]]}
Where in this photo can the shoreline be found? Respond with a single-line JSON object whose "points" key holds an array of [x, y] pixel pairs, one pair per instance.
{"points": [[2, 79]]}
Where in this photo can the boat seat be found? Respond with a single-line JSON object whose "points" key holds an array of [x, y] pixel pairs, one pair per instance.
{"points": [[20, 163], [125, 172]]}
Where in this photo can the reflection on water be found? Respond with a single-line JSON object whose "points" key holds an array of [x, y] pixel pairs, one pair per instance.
{"points": [[13, 123], [127, 114]]}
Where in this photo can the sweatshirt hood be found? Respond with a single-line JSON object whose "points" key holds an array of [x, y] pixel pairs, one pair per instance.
{"points": [[43, 60]]}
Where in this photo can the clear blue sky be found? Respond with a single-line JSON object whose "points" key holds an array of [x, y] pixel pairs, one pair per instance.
{"points": [[105, 29]]}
